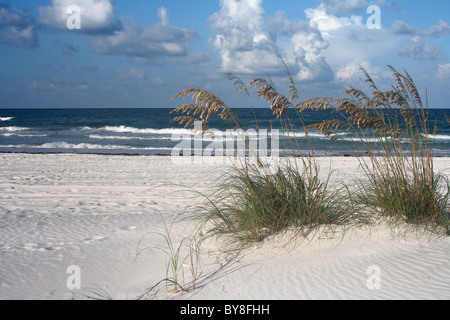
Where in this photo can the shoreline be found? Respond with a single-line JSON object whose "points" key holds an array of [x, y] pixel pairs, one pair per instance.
{"points": [[165, 153], [98, 212]]}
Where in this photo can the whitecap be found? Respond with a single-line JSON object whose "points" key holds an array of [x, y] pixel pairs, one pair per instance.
{"points": [[13, 129], [99, 137]]}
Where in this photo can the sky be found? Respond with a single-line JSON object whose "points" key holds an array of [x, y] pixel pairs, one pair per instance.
{"points": [[140, 53]]}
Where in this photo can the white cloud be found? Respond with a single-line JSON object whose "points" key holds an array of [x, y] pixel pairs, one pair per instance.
{"points": [[402, 28], [352, 73], [443, 71], [417, 49], [151, 44], [243, 41], [97, 16], [347, 73], [11, 16], [164, 16], [441, 30], [328, 23], [248, 42], [19, 37], [16, 28], [307, 56], [350, 43]]}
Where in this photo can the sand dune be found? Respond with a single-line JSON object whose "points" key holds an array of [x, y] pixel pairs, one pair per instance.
{"points": [[96, 212]]}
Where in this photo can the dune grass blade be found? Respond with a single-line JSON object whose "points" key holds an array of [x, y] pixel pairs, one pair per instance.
{"points": [[98, 294], [178, 254]]}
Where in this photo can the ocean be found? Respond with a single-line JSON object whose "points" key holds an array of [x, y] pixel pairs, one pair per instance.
{"points": [[150, 131]]}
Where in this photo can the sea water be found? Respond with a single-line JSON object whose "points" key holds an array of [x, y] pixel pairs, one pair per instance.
{"points": [[152, 131]]}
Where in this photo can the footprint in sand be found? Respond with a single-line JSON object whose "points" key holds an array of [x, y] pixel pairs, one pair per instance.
{"points": [[42, 247]]}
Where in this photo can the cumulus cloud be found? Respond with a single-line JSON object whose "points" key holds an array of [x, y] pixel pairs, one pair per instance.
{"points": [[248, 42], [19, 37], [96, 16], [238, 23], [402, 28], [11, 16], [441, 30], [351, 43], [143, 41], [327, 22], [244, 43], [16, 28], [150, 44], [351, 73], [347, 73], [417, 49]]}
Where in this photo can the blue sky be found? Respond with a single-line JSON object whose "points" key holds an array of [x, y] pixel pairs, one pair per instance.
{"points": [[138, 53]]}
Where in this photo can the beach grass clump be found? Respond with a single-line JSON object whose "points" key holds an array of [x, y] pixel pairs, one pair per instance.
{"points": [[393, 144], [416, 202], [395, 131], [250, 206]]}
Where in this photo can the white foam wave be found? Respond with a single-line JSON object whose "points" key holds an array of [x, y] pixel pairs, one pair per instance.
{"points": [[404, 140], [125, 129], [87, 146], [303, 135], [6, 118], [99, 137], [439, 137], [205, 138], [13, 129], [66, 145], [184, 131], [371, 140], [23, 135]]}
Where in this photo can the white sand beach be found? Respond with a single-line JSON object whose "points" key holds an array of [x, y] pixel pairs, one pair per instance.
{"points": [[96, 212]]}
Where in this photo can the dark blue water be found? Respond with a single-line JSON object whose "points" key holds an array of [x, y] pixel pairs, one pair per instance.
{"points": [[150, 131]]}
